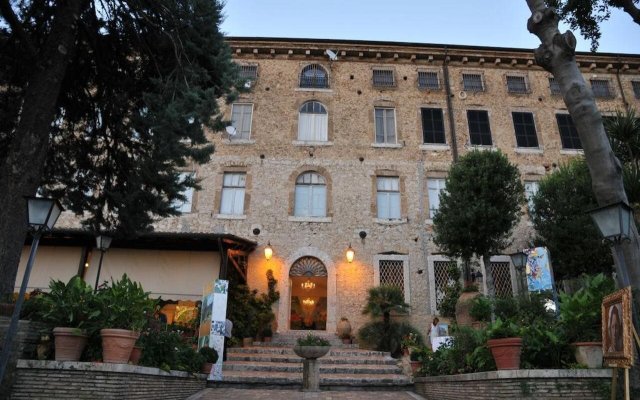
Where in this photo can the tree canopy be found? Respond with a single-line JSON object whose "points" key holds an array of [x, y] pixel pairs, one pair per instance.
{"points": [[480, 207], [586, 15], [112, 96]]}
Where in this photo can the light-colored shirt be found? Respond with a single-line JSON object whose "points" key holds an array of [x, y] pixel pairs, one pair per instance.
{"points": [[228, 327]]}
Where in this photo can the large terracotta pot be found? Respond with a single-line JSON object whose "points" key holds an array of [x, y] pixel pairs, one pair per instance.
{"points": [[415, 366], [311, 352], [206, 368], [344, 328], [506, 352], [136, 353], [69, 343], [589, 353], [463, 306], [117, 345]]}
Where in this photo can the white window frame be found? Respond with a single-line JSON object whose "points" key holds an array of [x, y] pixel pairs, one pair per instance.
{"points": [[240, 128], [185, 207], [384, 119], [441, 187], [234, 191], [309, 207], [512, 272], [405, 266], [388, 196], [315, 135]]}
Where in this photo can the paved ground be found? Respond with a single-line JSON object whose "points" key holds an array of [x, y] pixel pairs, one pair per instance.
{"points": [[263, 394]]}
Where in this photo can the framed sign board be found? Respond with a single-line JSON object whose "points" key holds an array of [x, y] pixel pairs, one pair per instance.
{"points": [[617, 345]]}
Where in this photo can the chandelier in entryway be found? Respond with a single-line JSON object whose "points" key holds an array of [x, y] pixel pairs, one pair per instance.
{"points": [[308, 285], [308, 302]]}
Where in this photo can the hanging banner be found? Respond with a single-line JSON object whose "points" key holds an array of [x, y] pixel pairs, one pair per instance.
{"points": [[212, 323], [539, 275]]}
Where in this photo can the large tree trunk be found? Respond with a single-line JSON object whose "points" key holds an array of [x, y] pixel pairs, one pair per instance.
{"points": [[21, 173]]}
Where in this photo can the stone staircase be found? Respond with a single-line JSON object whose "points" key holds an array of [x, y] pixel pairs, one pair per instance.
{"points": [[274, 365]]}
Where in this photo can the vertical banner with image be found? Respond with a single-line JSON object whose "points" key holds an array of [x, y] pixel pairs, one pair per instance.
{"points": [[212, 322], [539, 273]]}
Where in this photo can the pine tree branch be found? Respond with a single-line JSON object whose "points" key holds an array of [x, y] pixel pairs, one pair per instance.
{"points": [[16, 27]]}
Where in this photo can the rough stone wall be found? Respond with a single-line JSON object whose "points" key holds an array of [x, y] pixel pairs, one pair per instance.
{"points": [[23, 345], [518, 384], [44, 380]]}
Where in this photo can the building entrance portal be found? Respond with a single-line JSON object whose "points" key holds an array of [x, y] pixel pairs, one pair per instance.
{"points": [[308, 280]]}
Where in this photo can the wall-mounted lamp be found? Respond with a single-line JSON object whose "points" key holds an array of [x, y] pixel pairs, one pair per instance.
{"points": [[268, 251], [350, 254]]}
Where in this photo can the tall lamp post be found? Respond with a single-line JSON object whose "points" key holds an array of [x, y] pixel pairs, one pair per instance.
{"points": [[519, 261], [42, 214], [102, 243]]}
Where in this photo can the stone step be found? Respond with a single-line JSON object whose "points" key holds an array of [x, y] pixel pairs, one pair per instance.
{"points": [[286, 358], [324, 368], [292, 343], [339, 352], [326, 379]]}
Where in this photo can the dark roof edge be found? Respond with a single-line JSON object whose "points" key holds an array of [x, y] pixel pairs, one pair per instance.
{"points": [[411, 44]]}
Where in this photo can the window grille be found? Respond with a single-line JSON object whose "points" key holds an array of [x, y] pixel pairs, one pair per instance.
{"points": [[383, 78], [479, 128], [502, 279], [517, 84], [314, 76], [600, 88], [554, 86], [525, 129], [568, 133], [433, 126], [392, 273], [472, 82], [442, 279], [428, 80], [636, 88], [249, 72]]}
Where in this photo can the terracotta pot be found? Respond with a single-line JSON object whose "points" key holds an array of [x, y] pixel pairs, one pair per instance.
{"points": [[136, 352], [346, 340], [69, 343], [206, 368], [463, 306], [247, 342], [415, 366], [506, 352], [344, 328], [589, 353], [117, 345], [311, 352]]}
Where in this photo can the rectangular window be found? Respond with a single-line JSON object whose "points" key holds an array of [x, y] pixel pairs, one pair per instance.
{"points": [[248, 72], [388, 197], [600, 88], [428, 80], [241, 119], [233, 186], [385, 125], [435, 187], [636, 88], [568, 133], [383, 78], [530, 190], [440, 279], [392, 270], [433, 126], [472, 82], [517, 84], [184, 206], [554, 86], [502, 278], [525, 129], [479, 129]]}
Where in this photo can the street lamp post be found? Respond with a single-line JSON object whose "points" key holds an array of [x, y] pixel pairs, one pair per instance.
{"points": [[519, 261], [102, 243], [42, 214]]}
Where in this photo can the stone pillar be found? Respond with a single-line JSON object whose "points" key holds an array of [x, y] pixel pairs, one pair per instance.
{"points": [[311, 375]]}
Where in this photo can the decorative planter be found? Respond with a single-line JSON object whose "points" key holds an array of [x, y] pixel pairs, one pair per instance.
{"points": [[136, 352], [117, 345], [247, 342], [311, 365], [311, 352], [344, 328], [589, 353], [506, 352], [206, 368], [69, 343], [415, 366], [463, 306]]}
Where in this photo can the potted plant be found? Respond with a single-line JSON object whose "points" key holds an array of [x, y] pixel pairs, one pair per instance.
{"points": [[67, 308], [210, 357], [480, 311], [417, 358], [344, 328], [581, 320], [123, 307], [311, 347], [505, 344]]}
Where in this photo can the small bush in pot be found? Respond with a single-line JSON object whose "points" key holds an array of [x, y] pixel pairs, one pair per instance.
{"points": [[311, 347], [210, 357], [505, 344]]}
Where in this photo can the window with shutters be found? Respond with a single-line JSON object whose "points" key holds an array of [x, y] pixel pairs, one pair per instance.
{"points": [[525, 129], [479, 129], [388, 197], [517, 84], [233, 188], [428, 80], [568, 133], [472, 82], [310, 195], [313, 122], [241, 114], [385, 125], [432, 126], [383, 78], [392, 270]]}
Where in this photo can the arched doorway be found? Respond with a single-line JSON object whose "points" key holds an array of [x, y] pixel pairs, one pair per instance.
{"points": [[308, 289]]}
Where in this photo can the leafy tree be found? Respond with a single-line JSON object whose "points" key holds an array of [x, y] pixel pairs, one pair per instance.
{"points": [[479, 209], [586, 15], [560, 210], [112, 96]]}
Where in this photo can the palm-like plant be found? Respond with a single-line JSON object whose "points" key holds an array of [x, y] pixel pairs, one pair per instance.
{"points": [[383, 300], [624, 135]]}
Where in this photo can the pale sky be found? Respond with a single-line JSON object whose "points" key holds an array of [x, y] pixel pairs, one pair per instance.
{"points": [[498, 23]]}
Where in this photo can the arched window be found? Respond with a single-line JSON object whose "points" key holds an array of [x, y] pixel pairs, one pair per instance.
{"points": [[310, 195], [312, 122], [314, 76]]}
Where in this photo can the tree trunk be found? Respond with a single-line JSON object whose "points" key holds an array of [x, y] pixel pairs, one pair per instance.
{"points": [[22, 171]]}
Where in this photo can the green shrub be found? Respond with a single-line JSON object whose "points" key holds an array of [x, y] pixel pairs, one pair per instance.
{"points": [[480, 309], [123, 305], [166, 350], [312, 340], [381, 337], [465, 353], [544, 345], [503, 329], [210, 355], [452, 292], [69, 305]]}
